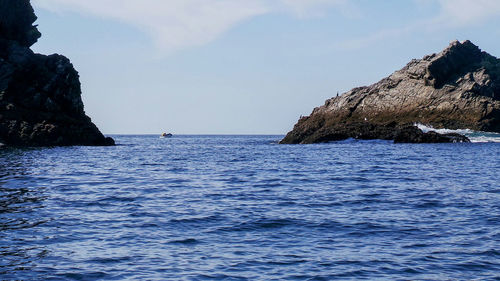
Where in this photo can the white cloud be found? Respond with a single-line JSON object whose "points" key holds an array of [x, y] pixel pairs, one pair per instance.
{"points": [[176, 24], [173, 24]]}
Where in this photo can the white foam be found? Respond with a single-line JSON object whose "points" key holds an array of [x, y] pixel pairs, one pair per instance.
{"points": [[474, 136], [484, 137]]}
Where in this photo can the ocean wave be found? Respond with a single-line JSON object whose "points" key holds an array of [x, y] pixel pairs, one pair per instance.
{"points": [[306, 212], [474, 136]]}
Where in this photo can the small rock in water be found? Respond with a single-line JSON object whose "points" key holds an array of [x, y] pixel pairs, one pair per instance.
{"points": [[413, 134]]}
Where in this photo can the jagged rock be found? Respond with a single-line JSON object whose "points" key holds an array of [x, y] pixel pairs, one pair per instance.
{"points": [[40, 96], [457, 88], [16, 22], [412, 134]]}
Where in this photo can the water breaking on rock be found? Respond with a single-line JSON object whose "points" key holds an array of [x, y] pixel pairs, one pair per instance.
{"points": [[40, 96], [458, 88]]}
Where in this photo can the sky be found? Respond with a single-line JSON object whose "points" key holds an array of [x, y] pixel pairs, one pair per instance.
{"points": [[243, 66]]}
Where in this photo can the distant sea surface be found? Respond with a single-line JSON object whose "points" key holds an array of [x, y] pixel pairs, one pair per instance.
{"points": [[246, 208]]}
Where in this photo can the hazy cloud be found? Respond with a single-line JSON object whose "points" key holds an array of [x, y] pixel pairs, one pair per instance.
{"points": [[451, 14], [175, 24], [463, 12], [308, 8]]}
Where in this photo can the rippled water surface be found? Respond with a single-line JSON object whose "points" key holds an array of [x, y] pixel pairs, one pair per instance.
{"points": [[245, 208]]}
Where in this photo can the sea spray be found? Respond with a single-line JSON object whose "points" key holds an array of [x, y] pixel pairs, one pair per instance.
{"points": [[474, 136]]}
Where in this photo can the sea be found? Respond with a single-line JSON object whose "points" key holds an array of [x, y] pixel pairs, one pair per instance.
{"points": [[219, 207]]}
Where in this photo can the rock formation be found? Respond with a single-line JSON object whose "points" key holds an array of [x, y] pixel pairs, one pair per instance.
{"points": [[457, 88], [40, 96]]}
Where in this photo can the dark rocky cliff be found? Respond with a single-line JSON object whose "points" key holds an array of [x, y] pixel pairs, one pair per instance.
{"points": [[40, 96], [457, 88]]}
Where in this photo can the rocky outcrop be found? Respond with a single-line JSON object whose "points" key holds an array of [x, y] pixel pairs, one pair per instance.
{"points": [[391, 131], [40, 96], [16, 22], [457, 88]]}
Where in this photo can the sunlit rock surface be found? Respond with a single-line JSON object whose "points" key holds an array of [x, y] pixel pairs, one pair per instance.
{"points": [[457, 88]]}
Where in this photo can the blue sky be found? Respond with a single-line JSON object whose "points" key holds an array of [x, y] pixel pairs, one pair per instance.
{"points": [[243, 66]]}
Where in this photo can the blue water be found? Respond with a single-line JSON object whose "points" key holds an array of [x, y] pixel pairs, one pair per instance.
{"points": [[246, 208]]}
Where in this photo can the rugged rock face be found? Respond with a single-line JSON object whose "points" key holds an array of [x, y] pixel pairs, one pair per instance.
{"points": [[40, 96], [457, 88]]}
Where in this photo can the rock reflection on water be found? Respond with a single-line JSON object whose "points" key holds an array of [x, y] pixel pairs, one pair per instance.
{"points": [[21, 211]]}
